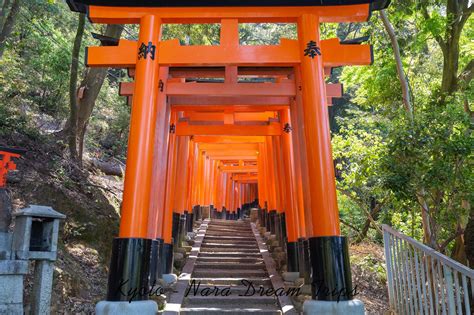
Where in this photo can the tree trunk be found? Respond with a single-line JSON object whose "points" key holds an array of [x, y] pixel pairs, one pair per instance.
{"points": [[109, 168], [469, 240], [3, 14], [5, 211], [72, 130], [398, 59], [8, 26], [374, 213], [91, 85]]}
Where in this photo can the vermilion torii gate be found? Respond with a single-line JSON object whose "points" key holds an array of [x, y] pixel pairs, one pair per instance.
{"points": [[204, 132]]}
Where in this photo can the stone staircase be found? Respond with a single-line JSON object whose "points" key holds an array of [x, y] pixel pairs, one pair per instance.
{"points": [[229, 260]]}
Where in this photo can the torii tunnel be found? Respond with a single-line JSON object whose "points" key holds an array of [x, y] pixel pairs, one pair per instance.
{"points": [[215, 129]]}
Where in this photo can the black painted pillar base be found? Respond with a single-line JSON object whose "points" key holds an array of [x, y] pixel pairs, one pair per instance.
{"points": [[129, 268], [167, 258], [267, 220], [304, 264], [189, 221], [175, 228], [264, 217], [283, 226], [239, 213], [271, 216], [292, 257], [212, 211], [155, 261], [196, 213], [331, 270], [182, 230], [278, 234]]}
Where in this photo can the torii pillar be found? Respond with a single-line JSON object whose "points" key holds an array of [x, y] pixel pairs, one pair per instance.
{"points": [[129, 268], [331, 274]]}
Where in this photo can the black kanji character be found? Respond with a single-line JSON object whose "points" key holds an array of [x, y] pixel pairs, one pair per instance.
{"points": [[312, 50], [161, 85], [287, 128], [144, 50]]}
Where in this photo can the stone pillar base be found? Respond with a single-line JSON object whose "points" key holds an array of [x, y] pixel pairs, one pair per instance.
{"points": [[11, 286], [253, 215], [291, 276], [170, 278], [353, 307], [126, 308]]}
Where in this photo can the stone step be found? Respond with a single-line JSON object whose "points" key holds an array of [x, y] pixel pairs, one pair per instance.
{"points": [[228, 222], [264, 281], [230, 265], [229, 254], [227, 311], [235, 290], [230, 227], [233, 237], [226, 234], [228, 273], [233, 226], [230, 241], [230, 259], [231, 300], [235, 246], [229, 250]]}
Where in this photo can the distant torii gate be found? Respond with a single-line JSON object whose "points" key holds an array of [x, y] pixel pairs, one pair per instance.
{"points": [[295, 171]]}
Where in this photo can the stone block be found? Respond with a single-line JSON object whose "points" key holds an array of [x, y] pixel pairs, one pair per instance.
{"points": [[126, 308], [11, 286], [170, 278], [290, 276], [353, 307]]}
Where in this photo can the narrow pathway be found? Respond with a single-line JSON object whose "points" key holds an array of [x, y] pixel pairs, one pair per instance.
{"points": [[230, 274]]}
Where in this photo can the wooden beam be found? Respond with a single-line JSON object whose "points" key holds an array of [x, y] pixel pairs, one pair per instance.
{"points": [[220, 116], [124, 15], [334, 90], [223, 147], [238, 169], [126, 89], [185, 129], [234, 157], [230, 89], [244, 101], [171, 53], [228, 139], [219, 72]]}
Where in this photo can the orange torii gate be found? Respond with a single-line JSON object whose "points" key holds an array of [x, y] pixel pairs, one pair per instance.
{"points": [[167, 171]]}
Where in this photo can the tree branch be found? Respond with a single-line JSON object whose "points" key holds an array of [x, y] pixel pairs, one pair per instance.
{"points": [[466, 13], [426, 15], [363, 207], [8, 26], [466, 75], [398, 59], [443, 245], [350, 225]]}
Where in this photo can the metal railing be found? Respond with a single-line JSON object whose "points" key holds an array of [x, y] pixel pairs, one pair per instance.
{"points": [[424, 281]]}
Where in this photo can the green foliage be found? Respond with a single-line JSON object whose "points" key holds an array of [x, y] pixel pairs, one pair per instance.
{"points": [[193, 34], [383, 154]]}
